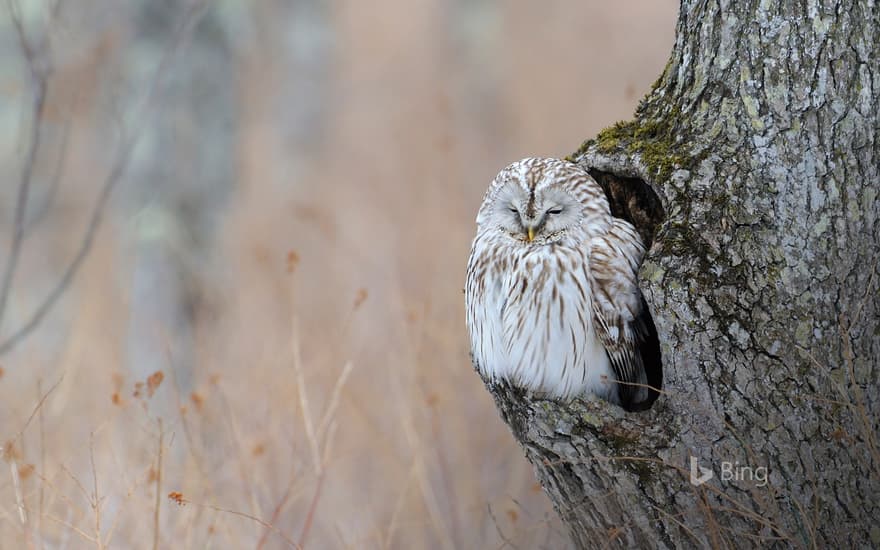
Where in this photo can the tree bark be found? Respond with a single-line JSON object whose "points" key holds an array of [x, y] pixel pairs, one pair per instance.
{"points": [[760, 140]]}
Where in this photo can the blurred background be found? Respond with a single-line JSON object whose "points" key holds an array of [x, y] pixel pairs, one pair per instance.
{"points": [[258, 339]]}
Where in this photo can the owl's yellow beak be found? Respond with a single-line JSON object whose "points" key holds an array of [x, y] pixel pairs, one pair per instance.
{"points": [[531, 232]]}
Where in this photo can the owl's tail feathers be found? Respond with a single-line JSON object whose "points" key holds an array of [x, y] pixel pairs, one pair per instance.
{"points": [[652, 362]]}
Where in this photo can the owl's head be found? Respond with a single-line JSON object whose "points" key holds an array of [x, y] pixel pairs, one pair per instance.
{"points": [[539, 201]]}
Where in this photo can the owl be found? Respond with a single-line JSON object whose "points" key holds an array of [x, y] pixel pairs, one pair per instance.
{"points": [[551, 297]]}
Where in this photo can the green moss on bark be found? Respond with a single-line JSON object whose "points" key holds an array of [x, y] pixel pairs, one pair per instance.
{"points": [[655, 140]]}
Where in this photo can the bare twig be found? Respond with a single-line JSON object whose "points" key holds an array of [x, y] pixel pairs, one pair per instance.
{"points": [[71, 504], [304, 404], [72, 528], [19, 500], [180, 500], [443, 469], [858, 398], [66, 535], [42, 466], [79, 484], [330, 412], [855, 399], [429, 496], [96, 500], [40, 79], [158, 488], [117, 170], [310, 517], [237, 439], [674, 519], [398, 508], [276, 513], [505, 542], [184, 421], [45, 206], [712, 523], [132, 486], [37, 408]]}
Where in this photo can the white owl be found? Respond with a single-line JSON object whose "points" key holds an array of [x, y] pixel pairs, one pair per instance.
{"points": [[552, 299]]}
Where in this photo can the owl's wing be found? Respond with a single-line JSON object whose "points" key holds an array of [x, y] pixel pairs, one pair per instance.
{"points": [[620, 315]]}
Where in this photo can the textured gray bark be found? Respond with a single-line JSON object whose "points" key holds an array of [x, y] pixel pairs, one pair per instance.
{"points": [[761, 141]]}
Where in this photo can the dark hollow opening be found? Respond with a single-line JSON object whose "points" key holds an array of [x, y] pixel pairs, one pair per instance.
{"points": [[633, 200]]}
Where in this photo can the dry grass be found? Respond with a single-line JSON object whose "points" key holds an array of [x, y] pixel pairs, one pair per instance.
{"points": [[323, 396]]}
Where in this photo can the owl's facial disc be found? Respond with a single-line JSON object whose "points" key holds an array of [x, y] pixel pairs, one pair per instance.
{"points": [[539, 223], [533, 213], [542, 217]]}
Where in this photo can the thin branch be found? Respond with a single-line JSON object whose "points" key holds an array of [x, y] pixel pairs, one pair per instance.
{"points": [[504, 540], [674, 519], [313, 506], [79, 484], [132, 486], [158, 488], [858, 398], [42, 210], [182, 501], [330, 412], [19, 500], [41, 508], [40, 79], [445, 478], [276, 514], [72, 528], [114, 176], [236, 437], [37, 408], [96, 502], [71, 505], [398, 507], [304, 403]]}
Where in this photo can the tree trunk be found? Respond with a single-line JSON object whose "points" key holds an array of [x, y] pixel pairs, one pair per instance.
{"points": [[761, 142]]}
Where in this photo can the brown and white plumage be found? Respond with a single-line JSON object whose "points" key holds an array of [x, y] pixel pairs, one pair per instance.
{"points": [[552, 299]]}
